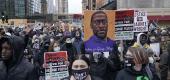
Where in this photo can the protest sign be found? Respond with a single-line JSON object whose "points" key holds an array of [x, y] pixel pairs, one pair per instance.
{"points": [[156, 48], [124, 25], [99, 30], [140, 21], [56, 67]]}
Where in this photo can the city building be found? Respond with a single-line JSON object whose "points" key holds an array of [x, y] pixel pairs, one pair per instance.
{"points": [[158, 10], [99, 4], [13, 8], [57, 6], [33, 7], [44, 6]]}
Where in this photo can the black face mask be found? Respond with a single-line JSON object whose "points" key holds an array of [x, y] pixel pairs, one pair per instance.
{"points": [[129, 62], [80, 74], [68, 45]]}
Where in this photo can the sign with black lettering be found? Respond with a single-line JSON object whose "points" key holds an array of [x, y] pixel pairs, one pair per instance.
{"points": [[124, 25], [140, 21], [56, 68]]}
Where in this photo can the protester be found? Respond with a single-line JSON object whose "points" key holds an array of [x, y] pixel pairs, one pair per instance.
{"points": [[2, 32], [142, 40], [165, 63], [13, 65], [81, 69], [138, 68], [71, 50], [54, 47], [78, 41]]}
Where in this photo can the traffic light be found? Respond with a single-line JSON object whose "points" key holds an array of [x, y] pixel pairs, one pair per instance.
{"points": [[3, 17], [6, 19], [94, 4]]}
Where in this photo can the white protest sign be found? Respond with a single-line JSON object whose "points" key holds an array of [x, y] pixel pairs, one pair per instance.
{"points": [[140, 21], [156, 48]]}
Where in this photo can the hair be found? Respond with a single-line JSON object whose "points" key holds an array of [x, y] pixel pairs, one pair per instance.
{"points": [[5, 39], [150, 52], [82, 57], [52, 46], [140, 55], [97, 12]]}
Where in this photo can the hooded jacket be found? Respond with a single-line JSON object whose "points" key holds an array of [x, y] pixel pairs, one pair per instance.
{"points": [[138, 44], [131, 74], [18, 68]]}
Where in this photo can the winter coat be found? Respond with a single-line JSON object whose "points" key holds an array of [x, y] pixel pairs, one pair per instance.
{"points": [[138, 44], [106, 68], [77, 43], [18, 68], [165, 63], [131, 74]]}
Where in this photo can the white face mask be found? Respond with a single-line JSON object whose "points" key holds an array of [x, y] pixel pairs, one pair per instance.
{"points": [[151, 60], [120, 49], [51, 40], [56, 49]]}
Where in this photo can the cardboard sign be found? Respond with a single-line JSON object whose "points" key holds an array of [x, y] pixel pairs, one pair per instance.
{"points": [[156, 48], [140, 21], [56, 67], [124, 25], [99, 30]]}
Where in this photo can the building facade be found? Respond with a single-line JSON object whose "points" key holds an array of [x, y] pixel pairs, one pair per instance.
{"points": [[158, 10], [13, 8], [57, 6], [99, 4], [33, 7]]}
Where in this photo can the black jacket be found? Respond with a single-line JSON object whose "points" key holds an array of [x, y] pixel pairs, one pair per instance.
{"points": [[131, 74], [18, 68], [107, 68]]}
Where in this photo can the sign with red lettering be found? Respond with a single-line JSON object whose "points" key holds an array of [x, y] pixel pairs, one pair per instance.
{"points": [[140, 21], [124, 23], [56, 67]]}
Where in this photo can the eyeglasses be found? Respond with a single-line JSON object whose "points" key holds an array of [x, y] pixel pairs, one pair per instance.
{"points": [[97, 22]]}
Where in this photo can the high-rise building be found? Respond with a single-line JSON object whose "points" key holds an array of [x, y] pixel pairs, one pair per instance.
{"points": [[99, 4], [57, 6], [13, 8], [33, 7], [44, 6]]}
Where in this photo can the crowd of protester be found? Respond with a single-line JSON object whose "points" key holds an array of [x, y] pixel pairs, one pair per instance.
{"points": [[22, 55]]}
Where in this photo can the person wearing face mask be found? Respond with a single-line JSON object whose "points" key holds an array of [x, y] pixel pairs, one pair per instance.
{"points": [[78, 41], [80, 69], [71, 50], [54, 47], [137, 67], [40, 59]]}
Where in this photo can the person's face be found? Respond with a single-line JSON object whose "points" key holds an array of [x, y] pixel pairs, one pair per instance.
{"points": [[100, 25], [143, 39], [6, 52], [77, 34], [56, 44], [68, 40], [79, 65], [129, 55]]}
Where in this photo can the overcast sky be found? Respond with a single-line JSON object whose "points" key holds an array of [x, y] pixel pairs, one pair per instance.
{"points": [[75, 6]]}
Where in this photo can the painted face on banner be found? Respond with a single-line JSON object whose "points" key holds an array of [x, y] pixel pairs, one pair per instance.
{"points": [[99, 24]]}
